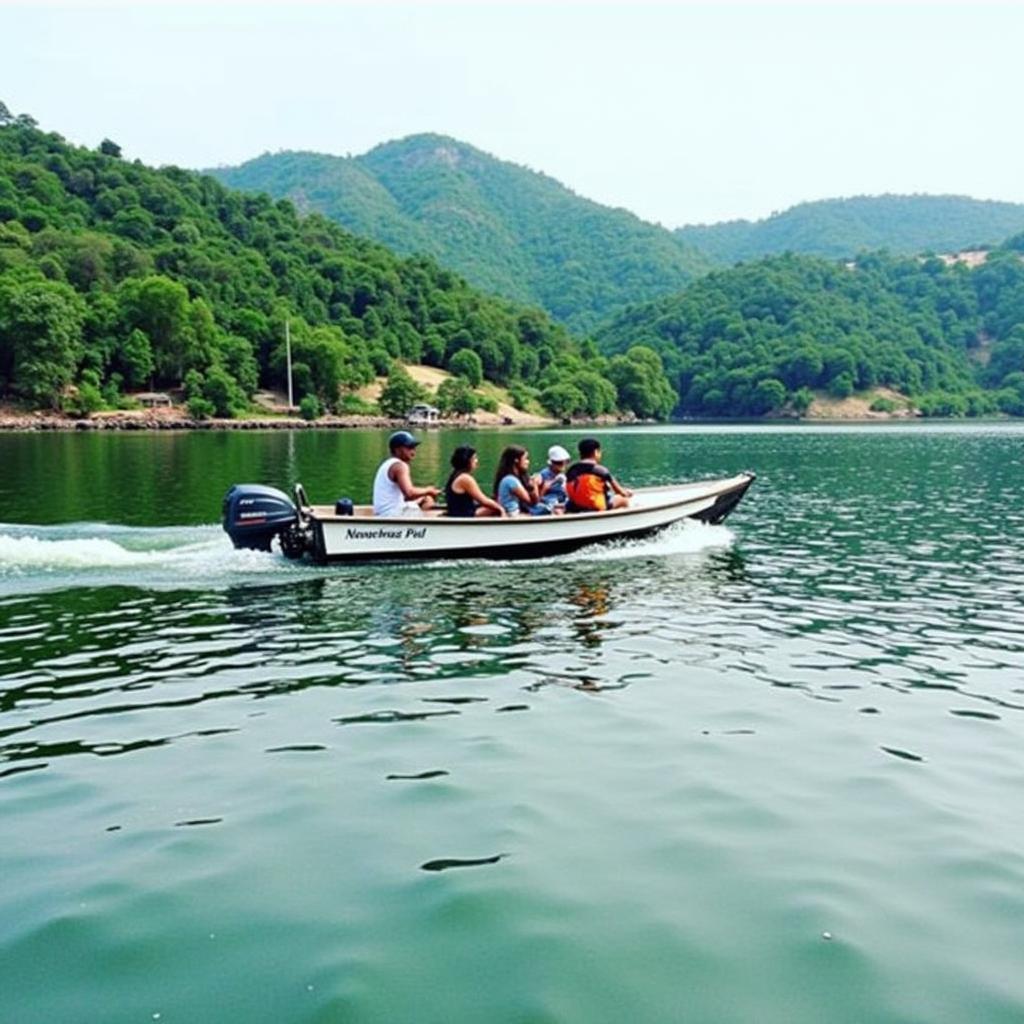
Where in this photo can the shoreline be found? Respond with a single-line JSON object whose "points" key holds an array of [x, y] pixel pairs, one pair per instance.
{"points": [[41, 423], [14, 421], [161, 424], [32, 423]]}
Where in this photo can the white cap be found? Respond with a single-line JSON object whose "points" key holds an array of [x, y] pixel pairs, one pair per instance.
{"points": [[556, 453]]}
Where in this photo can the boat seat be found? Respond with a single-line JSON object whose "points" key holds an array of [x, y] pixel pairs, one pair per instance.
{"points": [[366, 512]]}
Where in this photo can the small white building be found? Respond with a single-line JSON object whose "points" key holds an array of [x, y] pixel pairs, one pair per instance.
{"points": [[421, 415], [153, 399]]}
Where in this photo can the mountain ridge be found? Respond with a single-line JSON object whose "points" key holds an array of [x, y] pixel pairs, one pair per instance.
{"points": [[522, 234], [844, 226], [506, 228]]}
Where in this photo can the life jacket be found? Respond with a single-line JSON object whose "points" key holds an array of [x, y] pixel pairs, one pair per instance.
{"points": [[586, 485]]}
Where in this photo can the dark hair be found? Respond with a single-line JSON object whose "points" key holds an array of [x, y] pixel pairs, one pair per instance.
{"points": [[462, 457], [588, 446], [507, 464]]}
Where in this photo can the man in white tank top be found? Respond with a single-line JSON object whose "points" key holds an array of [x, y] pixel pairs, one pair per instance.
{"points": [[394, 493]]}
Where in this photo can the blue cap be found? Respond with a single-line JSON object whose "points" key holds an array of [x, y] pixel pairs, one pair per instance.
{"points": [[402, 439]]}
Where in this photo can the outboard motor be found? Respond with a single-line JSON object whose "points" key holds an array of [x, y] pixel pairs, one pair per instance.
{"points": [[253, 515]]}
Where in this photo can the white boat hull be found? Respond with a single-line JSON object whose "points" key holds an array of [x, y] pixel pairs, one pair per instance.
{"points": [[364, 537]]}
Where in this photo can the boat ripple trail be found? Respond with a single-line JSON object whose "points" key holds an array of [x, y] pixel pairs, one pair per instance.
{"points": [[36, 558], [684, 538]]}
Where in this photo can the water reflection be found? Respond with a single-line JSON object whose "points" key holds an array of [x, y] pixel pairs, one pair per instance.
{"points": [[853, 572], [107, 653], [688, 758], [593, 599]]}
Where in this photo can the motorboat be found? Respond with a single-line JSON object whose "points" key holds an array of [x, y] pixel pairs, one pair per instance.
{"points": [[255, 516]]}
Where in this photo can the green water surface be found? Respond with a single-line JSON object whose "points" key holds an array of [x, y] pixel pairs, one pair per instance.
{"points": [[763, 772]]}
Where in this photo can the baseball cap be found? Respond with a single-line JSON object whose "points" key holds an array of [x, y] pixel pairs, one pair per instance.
{"points": [[402, 439], [556, 453]]}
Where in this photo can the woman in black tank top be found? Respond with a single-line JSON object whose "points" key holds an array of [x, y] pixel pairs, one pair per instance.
{"points": [[462, 493]]}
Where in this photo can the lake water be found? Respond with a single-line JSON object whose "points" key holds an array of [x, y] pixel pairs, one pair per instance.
{"points": [[769, 771]]}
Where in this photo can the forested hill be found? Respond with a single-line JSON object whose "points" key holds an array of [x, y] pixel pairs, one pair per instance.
{"points": [[508, 229], [839, 228], [762, 336], [115, 276]]}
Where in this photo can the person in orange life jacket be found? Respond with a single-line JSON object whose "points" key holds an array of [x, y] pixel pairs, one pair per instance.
{"points": [[590, 486], [394, 493]]}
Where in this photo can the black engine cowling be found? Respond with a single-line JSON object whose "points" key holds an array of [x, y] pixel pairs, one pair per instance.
{"points": [[253, 515]]}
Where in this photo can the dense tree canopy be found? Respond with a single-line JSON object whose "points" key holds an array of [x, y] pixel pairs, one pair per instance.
{"points": [[115, 275], [756, 338], [845, 227], [41, 325], [523, 235], [508, 229], [166, 278]]}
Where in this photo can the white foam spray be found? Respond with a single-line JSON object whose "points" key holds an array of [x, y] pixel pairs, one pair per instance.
{"points": [[96, 554]]}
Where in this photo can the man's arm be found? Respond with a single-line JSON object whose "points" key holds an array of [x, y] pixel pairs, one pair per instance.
{"points": [[614, 484], [399, 472]]}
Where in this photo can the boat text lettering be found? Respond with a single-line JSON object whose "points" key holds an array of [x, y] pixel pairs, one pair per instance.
{"points": [[386, 533]]}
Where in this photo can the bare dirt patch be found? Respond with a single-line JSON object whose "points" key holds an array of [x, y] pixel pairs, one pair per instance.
{"points": [[858, 407], [431, 378]]}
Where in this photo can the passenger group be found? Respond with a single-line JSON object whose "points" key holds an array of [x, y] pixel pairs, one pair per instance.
{"points": [[585, 486]]}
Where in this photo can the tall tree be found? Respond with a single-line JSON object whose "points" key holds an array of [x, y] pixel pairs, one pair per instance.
{"points": [[400, 392], [41, 336], [159, 307]]}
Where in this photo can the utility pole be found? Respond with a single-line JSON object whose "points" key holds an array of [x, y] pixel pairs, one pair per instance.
{"points": [[288, 356]]}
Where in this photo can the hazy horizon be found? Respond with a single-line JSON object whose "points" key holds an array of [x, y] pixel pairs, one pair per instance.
{"points": [[680, 113]]}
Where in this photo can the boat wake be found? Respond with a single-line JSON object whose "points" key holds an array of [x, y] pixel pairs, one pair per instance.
{"points": [[99, 554], [38, 558], [684, 538]]}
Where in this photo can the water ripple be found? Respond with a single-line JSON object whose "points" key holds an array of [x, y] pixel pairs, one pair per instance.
{"points": [[697, 760]]}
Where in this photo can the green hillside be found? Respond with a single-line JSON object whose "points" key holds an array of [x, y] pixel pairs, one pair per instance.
{"points": [[507, 229], [115, 276], [760, 337], [844, 227], [340, 189]]}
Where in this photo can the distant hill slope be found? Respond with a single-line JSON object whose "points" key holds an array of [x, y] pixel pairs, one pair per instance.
{"points": [[115, 275], [843, 227], [762, 336], [506, 228]]}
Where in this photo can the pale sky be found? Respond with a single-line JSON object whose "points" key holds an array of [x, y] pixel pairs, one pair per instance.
{"points": [[680, 112]]}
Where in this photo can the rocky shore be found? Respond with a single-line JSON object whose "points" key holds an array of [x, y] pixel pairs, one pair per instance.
{"points": [[172, 419], [40, 423]]}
